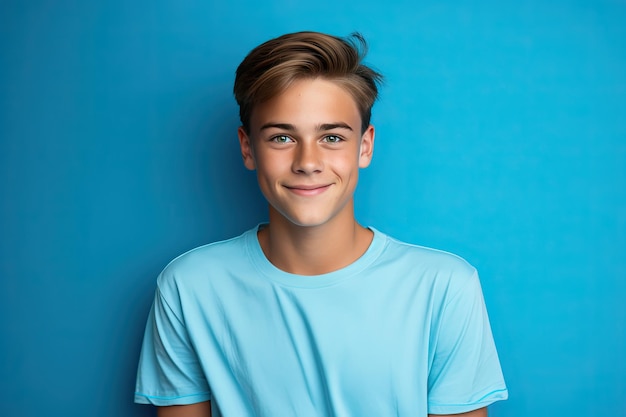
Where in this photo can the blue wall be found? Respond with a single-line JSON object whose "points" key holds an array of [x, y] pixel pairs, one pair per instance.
{"points": [[501, 137]]}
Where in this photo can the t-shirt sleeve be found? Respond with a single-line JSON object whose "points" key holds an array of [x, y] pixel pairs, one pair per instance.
{"points": [[169, 371], [465, 374]]}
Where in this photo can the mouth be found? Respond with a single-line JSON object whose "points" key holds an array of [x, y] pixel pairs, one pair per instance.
{"points": [[308, 190]]}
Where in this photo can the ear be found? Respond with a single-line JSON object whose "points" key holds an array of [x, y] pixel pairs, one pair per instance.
{"points": [[246, 149], [366, 151]]}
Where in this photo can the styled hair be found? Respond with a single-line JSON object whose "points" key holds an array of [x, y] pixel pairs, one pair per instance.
{"points": [[270, 68]]}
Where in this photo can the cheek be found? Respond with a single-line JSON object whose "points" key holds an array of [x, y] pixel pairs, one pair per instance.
{"points": [[268, 169], [346, 161]]}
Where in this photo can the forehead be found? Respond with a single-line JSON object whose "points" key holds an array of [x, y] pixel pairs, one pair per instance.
{"points": [[309, 102]]}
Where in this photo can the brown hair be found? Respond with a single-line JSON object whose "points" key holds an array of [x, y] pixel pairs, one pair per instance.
{"points": [[271, 67]]}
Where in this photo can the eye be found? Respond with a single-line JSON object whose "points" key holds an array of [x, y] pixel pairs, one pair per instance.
{"points": [[281, 139], [332, 139]]}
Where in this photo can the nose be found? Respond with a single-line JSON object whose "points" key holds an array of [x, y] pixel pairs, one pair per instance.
{"points": [[307, 159]]}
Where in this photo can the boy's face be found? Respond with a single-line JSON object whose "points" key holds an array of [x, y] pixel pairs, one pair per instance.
{"points": [[307, 147]]}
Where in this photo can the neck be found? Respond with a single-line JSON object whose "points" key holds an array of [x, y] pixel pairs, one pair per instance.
{"points": [[314, 250]]}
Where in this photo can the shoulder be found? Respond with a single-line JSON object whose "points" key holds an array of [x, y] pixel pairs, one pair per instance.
{"points": [[197, 264], [443, 270], [426, 257]]}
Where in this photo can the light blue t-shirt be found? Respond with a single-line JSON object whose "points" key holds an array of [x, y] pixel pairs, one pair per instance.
{"points": [[403, 331]]}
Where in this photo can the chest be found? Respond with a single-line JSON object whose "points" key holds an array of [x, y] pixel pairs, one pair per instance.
{"points": [[353, 345]]}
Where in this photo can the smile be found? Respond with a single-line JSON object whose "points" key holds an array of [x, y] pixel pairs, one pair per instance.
{"points": [[308, 190]]}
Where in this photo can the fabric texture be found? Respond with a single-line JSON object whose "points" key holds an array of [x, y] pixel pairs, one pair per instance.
{"points": [[403, 331]]}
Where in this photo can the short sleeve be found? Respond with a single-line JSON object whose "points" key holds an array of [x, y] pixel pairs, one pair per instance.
{"points": [[169, 371], [465, 374]]}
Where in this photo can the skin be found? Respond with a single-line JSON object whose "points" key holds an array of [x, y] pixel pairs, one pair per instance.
{"points": [[307, 147], [192, 410]]}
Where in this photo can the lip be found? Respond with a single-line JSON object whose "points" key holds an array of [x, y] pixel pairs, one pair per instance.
{"points": [[308, 190]]}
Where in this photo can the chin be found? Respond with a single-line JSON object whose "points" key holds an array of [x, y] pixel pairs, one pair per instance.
{"points": [[307, 221]]}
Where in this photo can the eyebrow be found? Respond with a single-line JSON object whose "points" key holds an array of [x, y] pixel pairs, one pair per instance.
{"points": [[323, 127]]}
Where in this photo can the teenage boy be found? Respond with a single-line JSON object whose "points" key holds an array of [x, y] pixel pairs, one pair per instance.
{"points": [[313, 314]]}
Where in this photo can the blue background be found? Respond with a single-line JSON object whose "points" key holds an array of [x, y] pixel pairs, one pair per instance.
{"points": [[501, 136]]}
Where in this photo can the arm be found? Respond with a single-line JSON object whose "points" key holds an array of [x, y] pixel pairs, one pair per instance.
{"points": [[465, 371], [481, 412], [192, 410]]}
